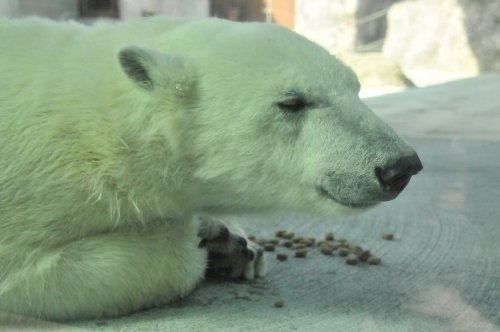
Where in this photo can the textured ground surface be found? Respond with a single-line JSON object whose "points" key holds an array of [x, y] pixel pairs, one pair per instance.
{"points": [[442, 271]]}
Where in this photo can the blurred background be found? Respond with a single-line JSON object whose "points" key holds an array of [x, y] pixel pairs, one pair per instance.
{"points": [[391, 44]]}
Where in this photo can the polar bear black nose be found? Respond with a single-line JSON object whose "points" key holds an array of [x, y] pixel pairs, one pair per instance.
{"points": [[393, 178]]}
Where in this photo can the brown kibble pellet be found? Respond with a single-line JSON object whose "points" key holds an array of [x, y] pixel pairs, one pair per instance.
{"points": [[300, 246], [282, 257], [301, 253], [261, 242], [326, 250], [251, 237], [373, 260], [352, 259], [388, 236], [355, 249], [353, 254], [279, 303], [365, 255], [306, 242], [269, 246], [327, 244], [343, 244], [343, 252], [280, 234]]}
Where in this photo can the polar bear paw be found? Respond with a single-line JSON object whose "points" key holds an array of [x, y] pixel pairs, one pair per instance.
{"points": [[230, 253]]}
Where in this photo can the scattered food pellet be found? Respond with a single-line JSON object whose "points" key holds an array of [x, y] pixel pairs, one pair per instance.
{"points": [[282, 257], [355, 249], [326, 244], [261, 242], [343, 252], [335, 245], [306, 242], [300, 246], [365, 255], [373, 260], [269, 246], [352, 253], [301, 253], [326, 250], [388, 236], [352, 259], [280, 234], [279, 303], [343, 244], [320, 243]]}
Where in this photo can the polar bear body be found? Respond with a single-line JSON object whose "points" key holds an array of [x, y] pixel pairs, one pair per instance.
{"points": [[115, 136]]}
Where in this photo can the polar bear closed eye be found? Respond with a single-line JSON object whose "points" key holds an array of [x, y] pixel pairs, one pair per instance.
{"points": [[120, 142]]}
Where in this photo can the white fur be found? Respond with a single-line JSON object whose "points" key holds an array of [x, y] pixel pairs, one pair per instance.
{"points": [[102, 172]]}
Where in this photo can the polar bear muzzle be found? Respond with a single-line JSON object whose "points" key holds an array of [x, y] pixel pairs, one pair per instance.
{"points": [[360, 193]]}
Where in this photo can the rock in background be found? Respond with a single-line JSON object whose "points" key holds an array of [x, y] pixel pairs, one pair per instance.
{"points": [[328, 23], [354, 30], [482, 24], [371, 24], [436, 41], [431, 41], [376, 73]]}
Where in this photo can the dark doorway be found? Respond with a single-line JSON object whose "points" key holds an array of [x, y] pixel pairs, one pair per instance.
{"points": [[98, 8]]}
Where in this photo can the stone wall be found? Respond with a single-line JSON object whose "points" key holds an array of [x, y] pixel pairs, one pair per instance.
{"points": [[54, 9], [482, 26], [68, 9], [137, 8], [371, 24], [328, 23], [452, 37], [343, 25]]}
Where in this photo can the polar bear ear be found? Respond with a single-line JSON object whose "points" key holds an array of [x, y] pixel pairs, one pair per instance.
{"points": [[151, 70]]}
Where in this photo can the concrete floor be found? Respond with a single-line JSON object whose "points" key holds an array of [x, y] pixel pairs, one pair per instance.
{"points": [[442, 271]]}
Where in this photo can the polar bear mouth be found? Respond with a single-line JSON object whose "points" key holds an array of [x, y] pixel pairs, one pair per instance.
{"points": [[326, 194]]}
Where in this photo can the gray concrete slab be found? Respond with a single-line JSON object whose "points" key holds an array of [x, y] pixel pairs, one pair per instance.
{"points": [[440, 273]]}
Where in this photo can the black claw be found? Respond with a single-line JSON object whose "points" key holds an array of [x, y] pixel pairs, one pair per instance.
{"points": [[248, 254], [223, 235], [241, 241]]}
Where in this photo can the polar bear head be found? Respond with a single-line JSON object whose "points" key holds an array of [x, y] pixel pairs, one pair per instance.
{"points": [[268, 121]]}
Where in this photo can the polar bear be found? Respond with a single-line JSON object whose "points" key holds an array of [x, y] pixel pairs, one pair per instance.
{"points": [[122, 143]]}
